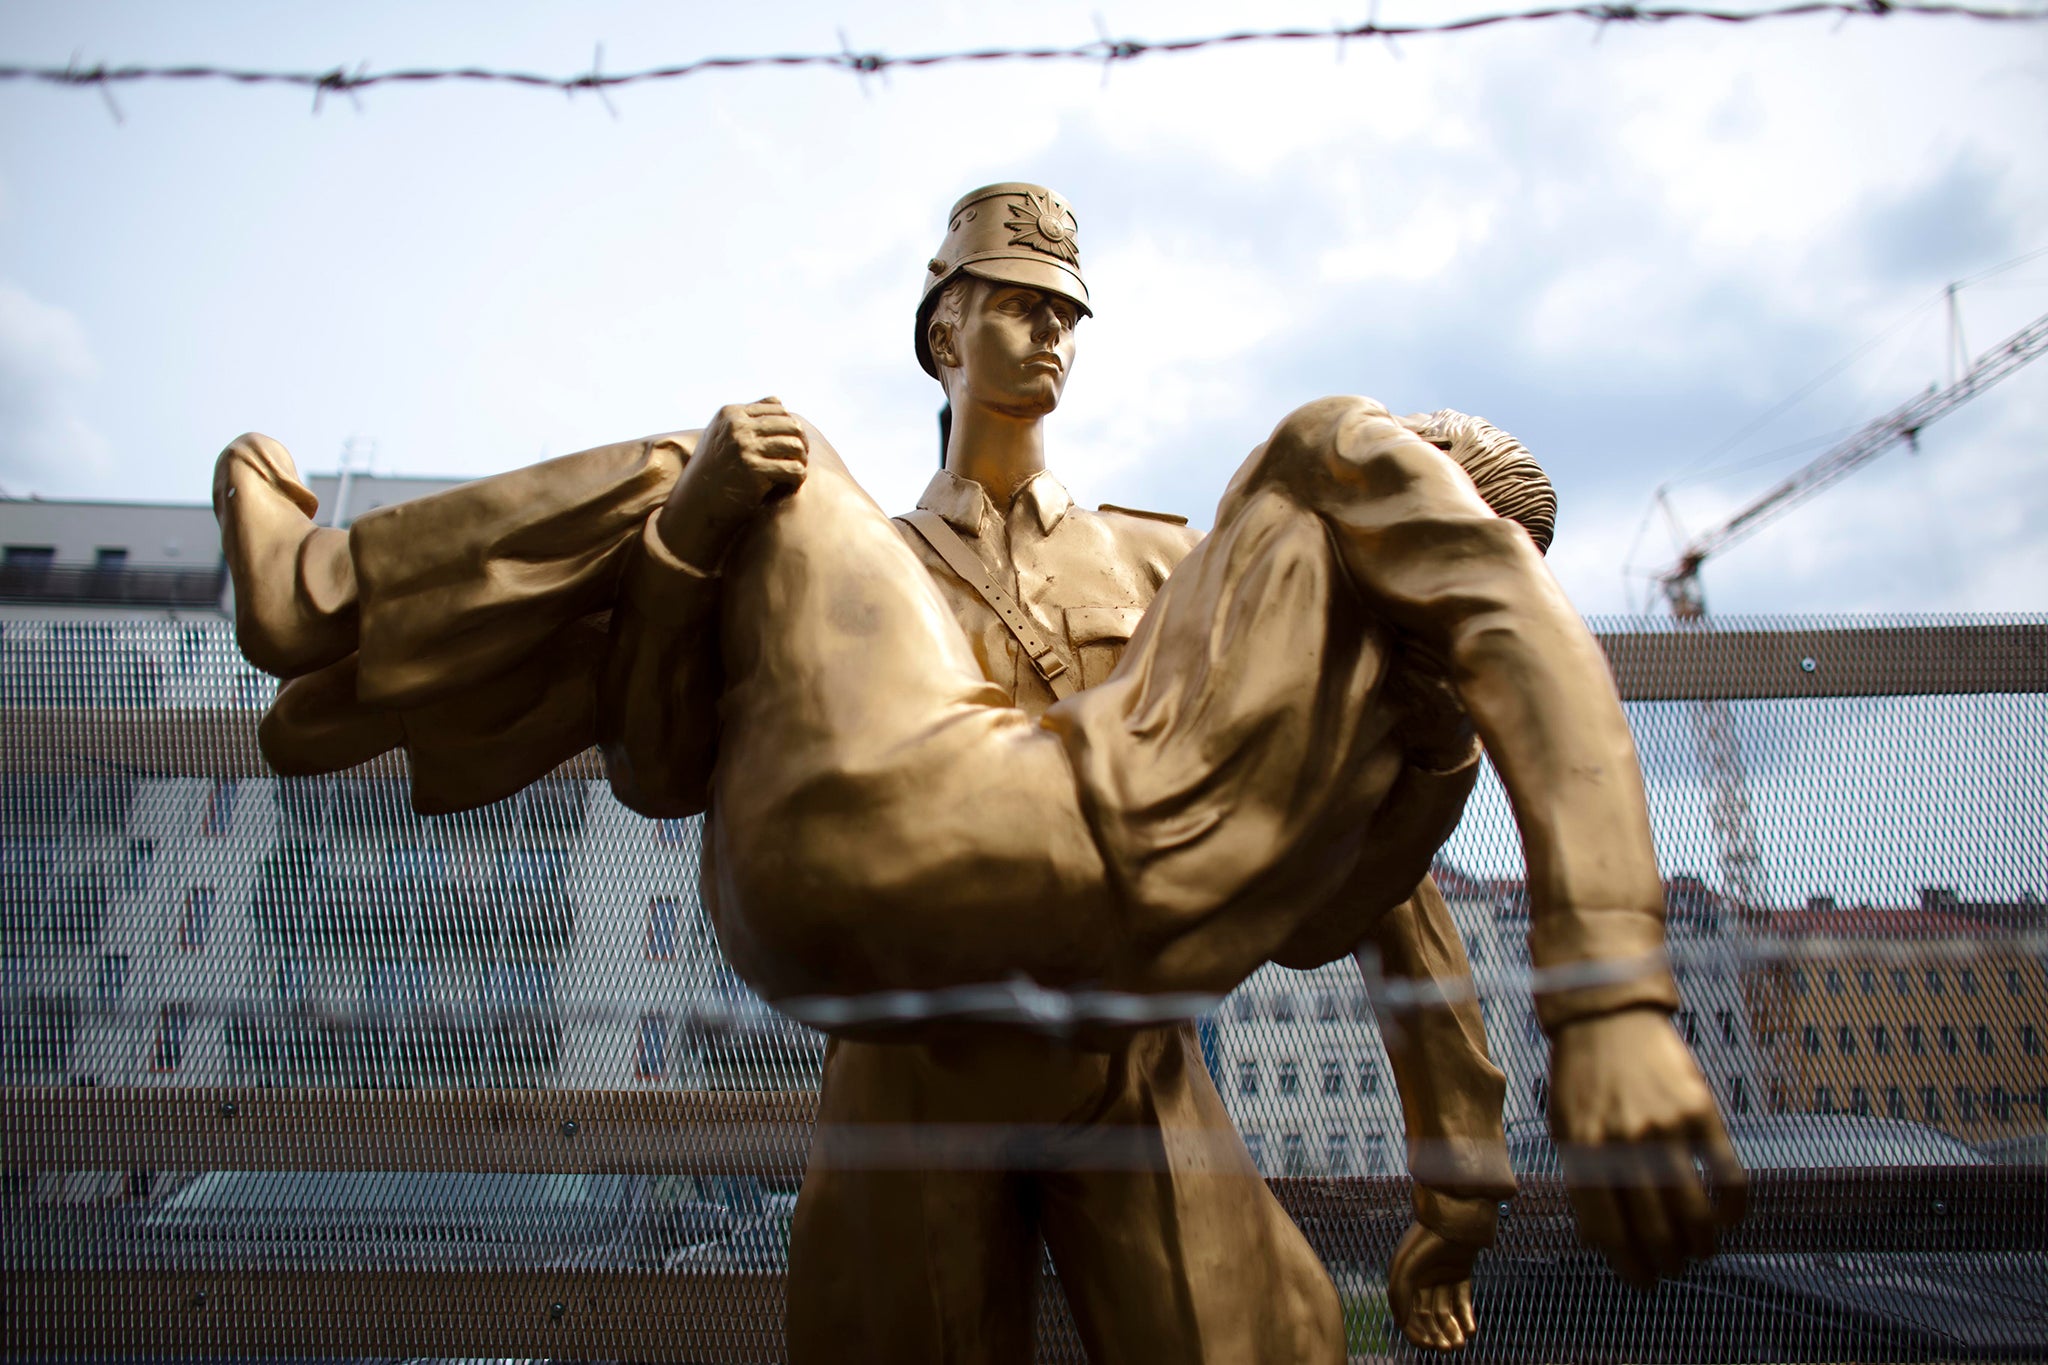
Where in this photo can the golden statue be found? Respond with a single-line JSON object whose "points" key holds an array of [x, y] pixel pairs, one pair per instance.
{"points": [[1006, 737]]}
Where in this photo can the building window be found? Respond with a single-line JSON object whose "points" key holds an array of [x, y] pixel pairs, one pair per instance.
{"points": [[1894, 1102], [1246, 1008], [1293, 1154], [1532, 1027], [28, 556], [1985, 1043], [220, 808], [1726, 1019], [2041, 1101], [1933, 981], [1799, 981], [113, 975], [1539, 1091], [1738, 1096], [1290, 1079], [1845, 1041], [1333, 1077], [1930, 1104], [1810, 1037], [1326, 1007], [1340, 1152], [197, 923], [671, 832], [1834, 981], [652, 1062], [2014, 985], [523, 988], [2030, 1040], [1255, 1147], [1859, 1100], [1967, 979], [1689, 1027], [1999, 1103], [1247, 1078], [1902, 983], [664, 914], [1950, 1044], [1283, 1008], [1880, 1041], [1368, 1079], [1916, 1040], [1966, 1104], [110, 558], [1823, 1100], [141, 854], [171, 1022], [1866, 981]]}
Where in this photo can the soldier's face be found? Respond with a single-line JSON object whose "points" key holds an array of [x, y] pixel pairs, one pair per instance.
{"points": [[1015, 348]]}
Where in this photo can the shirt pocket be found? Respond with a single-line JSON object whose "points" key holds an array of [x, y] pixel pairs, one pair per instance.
{"points": [[1097, 636]]}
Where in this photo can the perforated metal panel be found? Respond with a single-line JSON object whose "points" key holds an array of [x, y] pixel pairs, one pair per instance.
{"points": [[292, 1070]]}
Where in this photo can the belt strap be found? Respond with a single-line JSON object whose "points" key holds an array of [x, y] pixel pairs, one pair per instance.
{"points": [[1050, 661]]}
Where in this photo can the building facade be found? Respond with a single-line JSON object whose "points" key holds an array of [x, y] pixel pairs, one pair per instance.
{"points": [[1935, 1012]]}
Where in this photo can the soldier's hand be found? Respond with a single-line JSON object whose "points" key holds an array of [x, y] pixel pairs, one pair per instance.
{"points": [[750, 454], [1650, 1168], [1429, 1290]]}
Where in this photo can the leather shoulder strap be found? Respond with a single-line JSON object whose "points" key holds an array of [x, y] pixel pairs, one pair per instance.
{"points": [[1050, 661]]}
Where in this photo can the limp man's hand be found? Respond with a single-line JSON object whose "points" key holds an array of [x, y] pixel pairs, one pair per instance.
{"points": [[1651, 1171]]}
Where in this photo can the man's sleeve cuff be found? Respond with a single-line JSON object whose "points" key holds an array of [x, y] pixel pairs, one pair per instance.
{"points": [[1570, 991], [665, 588], [1463, 1219]]}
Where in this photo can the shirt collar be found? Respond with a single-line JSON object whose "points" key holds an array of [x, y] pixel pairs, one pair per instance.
{"points": [[966, 507]]}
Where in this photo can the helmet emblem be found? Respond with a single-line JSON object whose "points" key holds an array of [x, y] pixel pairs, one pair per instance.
{"points": [[1042, 222]]}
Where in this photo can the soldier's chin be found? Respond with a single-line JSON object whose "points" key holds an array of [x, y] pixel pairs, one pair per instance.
{"points": [[1044, 394]]}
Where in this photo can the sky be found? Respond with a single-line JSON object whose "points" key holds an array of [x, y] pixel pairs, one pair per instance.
{"points": [[1629, 248]]}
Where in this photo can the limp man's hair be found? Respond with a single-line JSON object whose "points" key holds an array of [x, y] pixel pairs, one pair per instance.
{"points": [[1502, 468]]}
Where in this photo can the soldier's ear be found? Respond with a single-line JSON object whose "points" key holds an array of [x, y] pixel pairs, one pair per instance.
{"points": [[939, 336]]}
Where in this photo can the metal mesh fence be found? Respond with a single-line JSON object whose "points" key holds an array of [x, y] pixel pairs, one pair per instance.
{"points": [[292, 1070]]}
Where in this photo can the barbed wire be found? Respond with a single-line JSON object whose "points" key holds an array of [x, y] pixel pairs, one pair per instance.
{"points": [[1104, 49]]}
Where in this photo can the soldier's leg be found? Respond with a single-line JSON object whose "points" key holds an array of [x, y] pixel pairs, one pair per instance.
{"points": [[1170, 1246], [889, 1262]]}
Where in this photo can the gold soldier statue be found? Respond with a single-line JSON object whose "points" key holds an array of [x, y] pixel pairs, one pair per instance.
{"points": [[1005, 737]]}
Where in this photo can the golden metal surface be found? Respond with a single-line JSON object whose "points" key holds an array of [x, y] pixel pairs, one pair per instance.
{"points": [[1275, 733]]}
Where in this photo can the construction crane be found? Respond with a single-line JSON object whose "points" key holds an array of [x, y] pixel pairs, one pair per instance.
{"points": [[1681, 582], [1744, 881], [1720, 750]]}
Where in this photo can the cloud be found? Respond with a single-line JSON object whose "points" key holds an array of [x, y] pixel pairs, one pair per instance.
{"points": [[45, 360], [1942, 228]]}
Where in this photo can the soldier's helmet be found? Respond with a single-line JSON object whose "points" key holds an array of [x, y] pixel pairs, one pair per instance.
{"points": [[1011, 233]]}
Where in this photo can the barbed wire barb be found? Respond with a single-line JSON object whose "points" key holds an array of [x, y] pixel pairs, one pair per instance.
{"points": [[106, 95], [1104, 49], [595, 82]]}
